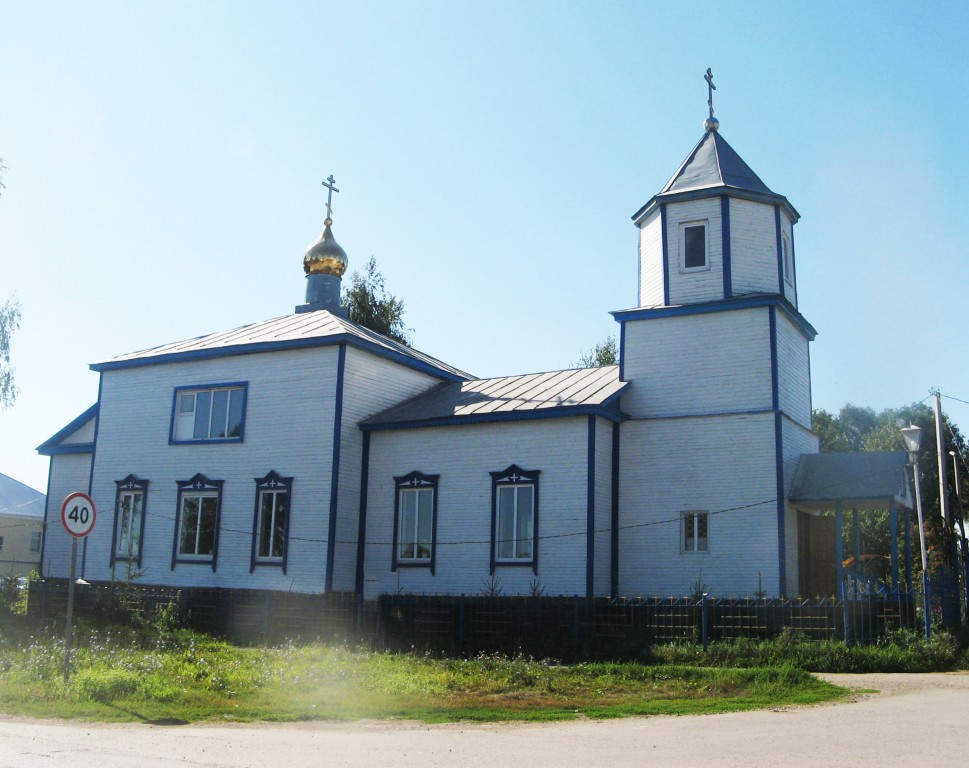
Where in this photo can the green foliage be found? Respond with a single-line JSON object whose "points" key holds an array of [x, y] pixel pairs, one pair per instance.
{"points": [[902, 651], [367, 303], [9, 323], [602, 354]]}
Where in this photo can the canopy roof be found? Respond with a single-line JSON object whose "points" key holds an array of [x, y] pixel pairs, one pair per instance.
{"points": [[863, 480]]}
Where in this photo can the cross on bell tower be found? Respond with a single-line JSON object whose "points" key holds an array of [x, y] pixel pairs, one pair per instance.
{"points": [[711, 123]]}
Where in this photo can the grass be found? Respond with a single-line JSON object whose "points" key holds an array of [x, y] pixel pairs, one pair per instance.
{"points": [[179, 676]]}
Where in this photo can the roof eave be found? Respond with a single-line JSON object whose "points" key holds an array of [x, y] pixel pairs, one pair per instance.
{"points": [[716, 190]]}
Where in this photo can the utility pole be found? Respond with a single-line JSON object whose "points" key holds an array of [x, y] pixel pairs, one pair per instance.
{"points": [[950, 590]]}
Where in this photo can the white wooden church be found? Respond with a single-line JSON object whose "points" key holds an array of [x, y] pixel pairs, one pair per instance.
{"points": [[306, 453]]}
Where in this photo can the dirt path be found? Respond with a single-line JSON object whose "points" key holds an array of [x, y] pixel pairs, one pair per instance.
{"points": [[913, 720]]}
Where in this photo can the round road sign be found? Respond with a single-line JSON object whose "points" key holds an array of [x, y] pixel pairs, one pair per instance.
{"points": [[78, 514]]}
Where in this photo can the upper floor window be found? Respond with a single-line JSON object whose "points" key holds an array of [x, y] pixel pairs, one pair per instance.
{"points": [[129, 518], [202, 414], [197, 526], [271, 520], [695, 531], [415, 514], [514, 502], [693, 246], [35, 539]]}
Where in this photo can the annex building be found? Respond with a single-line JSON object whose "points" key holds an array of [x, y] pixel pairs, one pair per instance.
{"points": [[306, 453]]}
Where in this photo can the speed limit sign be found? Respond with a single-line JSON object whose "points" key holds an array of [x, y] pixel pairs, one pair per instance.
{"points": [[78, 514]]}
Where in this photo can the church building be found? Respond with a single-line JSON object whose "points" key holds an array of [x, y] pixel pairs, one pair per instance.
{"points": [[309, 454]]}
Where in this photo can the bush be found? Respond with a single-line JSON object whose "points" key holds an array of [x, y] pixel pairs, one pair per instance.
{"points": [[105, 685]]}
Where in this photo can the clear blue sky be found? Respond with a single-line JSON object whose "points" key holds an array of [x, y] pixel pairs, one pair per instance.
{"points": [[164, 162]]}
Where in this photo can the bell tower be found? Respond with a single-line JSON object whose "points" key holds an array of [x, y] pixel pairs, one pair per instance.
{"points": [[719, 401]]}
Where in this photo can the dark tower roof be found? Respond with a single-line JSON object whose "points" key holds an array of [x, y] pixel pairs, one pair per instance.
{"points": [[714, 168]]}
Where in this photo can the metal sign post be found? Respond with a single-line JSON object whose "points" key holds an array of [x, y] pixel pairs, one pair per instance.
{"points": [[78, 515]]}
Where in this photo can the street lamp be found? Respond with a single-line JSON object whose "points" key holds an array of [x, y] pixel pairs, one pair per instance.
{"points": [[912, 436]]}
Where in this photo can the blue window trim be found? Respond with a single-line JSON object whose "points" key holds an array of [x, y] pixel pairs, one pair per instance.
{"points": [[514, 475], [198, 483], [130, 483], [420, 481], [273, 481], [244, 385]]}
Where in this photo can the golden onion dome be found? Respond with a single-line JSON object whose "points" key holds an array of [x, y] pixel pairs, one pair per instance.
{"points": [[325, 256]]}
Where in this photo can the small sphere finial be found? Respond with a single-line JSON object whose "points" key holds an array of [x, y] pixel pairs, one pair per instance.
{"points": [[711, 124]]}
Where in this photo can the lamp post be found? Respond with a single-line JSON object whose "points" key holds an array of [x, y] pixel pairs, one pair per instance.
{"points": [[912, 436], [961, 546]]}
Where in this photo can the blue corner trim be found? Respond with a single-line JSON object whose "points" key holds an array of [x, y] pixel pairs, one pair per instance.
{"points": [[94, 458], [590, 510], [725, 240], [666, 255], [275, 346], [622, 350], [774, 368], [781, 504], [614, 515], [362, 517], [739, 303], [335, 470], [780, 250], [50, 446]]}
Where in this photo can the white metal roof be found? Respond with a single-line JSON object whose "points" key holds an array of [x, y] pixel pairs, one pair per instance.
{"points": [[290, 331], [528, 396]]}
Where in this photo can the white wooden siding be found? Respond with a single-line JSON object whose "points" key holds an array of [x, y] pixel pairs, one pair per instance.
{"points": [[798, 440], [69, 472], [651, 261], [753, 247], [288, 428], [603, 511], [464, 456], [704, 285], [793, 374], [370, 385], [675, 465], [698, 364]]}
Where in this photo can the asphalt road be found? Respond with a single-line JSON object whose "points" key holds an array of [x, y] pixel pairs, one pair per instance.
{"points": [[914, 720]]}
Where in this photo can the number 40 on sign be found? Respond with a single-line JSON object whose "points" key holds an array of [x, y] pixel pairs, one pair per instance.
{"points": [[78, 514]]}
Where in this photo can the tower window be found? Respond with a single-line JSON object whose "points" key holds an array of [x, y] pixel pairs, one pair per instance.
{"points": [[788, 260], [693, 246]]}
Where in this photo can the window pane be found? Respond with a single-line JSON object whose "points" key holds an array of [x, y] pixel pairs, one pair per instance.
{"points": [[207, 525], [265, 525], [524, 532], [689, 530], [506, 523], [695, 247], [189, 532], [424, 523], [408, 525], [203, 403], [220, 408], [701, 532], [186, 402], [279, 528], [235, 413]]}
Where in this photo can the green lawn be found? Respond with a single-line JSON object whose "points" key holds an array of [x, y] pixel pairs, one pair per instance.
{"points": [[185, 677]]}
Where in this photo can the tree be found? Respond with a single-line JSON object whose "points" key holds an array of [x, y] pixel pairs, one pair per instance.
{"points": [[604, 353], [9, 322], [367, 303]]}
